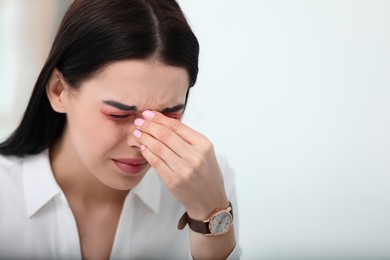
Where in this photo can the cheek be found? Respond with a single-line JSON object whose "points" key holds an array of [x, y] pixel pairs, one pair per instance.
{"points": [[94, 134]]}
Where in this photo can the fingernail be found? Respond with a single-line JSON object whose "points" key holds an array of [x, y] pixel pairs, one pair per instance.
{"points": [[148, 114], [137, 133], [143, 147], [139, 122]]}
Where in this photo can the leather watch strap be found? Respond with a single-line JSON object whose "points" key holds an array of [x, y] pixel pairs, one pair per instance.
{"points": [[197, 225]]}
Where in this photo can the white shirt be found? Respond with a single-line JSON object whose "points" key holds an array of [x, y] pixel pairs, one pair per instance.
{"points": [[36, 221]]}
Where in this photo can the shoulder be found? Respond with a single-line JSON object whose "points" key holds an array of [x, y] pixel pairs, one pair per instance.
{"points": [[228, 174], [223, 161], [11, 186], [9, 165], [10, 172], [226, 169], [7, 161]]}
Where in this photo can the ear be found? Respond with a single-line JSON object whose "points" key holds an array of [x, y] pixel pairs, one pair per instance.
{"points": [[55, 91]]}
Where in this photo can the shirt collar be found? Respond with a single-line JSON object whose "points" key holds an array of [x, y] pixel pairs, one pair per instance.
{"points": [[40, 186], [38, 181], [149, 190]]}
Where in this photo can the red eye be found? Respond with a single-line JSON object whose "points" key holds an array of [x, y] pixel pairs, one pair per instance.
{"points": [[118, 116], [176, 116]]}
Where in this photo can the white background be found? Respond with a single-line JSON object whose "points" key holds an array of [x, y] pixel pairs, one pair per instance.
{"points": [[296, 95]]}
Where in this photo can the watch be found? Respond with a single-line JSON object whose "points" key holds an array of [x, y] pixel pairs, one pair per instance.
{"points": [[218, 223]]}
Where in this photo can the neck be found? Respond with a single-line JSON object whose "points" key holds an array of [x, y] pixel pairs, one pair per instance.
{"points": [[76, 181]]}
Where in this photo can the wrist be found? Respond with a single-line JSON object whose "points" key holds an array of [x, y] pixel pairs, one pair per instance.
{"points": [[202, 212], [218, 222]]}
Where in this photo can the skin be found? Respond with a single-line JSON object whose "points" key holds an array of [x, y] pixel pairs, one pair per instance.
{"points": [[82, 160]]}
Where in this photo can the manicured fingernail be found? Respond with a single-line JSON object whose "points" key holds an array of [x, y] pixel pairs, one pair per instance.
{"points": [[148, 114], [143, 147], [137, 133], [139, 122]]}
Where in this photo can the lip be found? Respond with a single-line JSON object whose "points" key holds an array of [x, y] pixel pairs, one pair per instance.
{"points": [[131, 166]]}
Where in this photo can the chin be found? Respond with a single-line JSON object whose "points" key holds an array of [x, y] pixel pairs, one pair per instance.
{"points": [[125, 182]]}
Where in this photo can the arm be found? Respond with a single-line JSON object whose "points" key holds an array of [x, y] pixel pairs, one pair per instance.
{"points": [[186, 162]]}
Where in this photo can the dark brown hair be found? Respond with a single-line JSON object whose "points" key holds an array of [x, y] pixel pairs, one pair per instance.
{"points": [[92, 34]]}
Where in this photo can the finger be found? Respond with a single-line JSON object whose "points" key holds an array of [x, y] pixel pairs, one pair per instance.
{"points": [[188, 134], [160, 150], [165, 136], [158, 164]]}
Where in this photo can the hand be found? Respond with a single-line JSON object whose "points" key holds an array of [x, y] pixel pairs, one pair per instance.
{"points": [[185, 160]]}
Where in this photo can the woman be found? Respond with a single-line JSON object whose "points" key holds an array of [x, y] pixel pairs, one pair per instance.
{"points": [[101, 165]]}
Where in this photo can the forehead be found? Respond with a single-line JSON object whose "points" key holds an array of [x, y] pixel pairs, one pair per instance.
{"points": [[147, 84]]}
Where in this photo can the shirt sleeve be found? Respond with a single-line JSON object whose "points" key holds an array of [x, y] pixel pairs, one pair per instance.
{"points": [[236, 254], [230, 187]]}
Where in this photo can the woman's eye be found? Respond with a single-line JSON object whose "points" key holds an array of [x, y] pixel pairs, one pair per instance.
{"points": [[119, 116], [174, 115]]}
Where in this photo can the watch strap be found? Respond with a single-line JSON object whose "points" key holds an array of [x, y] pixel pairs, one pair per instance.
{"points": [[198, 225], [195, 225]]}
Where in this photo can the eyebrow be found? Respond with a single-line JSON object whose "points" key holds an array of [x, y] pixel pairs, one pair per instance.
{"points": [[120, 106], [125, 107], [173, 109]]}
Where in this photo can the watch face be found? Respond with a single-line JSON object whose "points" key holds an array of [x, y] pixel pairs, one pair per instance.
{"points": [[220, 223]]}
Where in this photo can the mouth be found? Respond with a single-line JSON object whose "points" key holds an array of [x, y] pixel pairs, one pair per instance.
{"points": [[131, 166]]}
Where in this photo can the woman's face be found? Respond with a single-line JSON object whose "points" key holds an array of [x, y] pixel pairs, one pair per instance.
{"points": [[101, 114]]}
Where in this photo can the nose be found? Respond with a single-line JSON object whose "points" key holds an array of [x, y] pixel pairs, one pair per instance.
{"points": [[131, 140]]}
